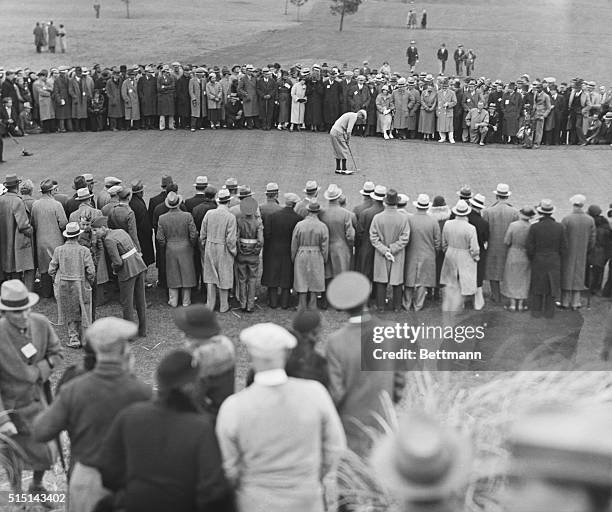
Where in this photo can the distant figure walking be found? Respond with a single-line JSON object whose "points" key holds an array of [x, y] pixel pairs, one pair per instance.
{"points": [[61, 36], [470, 59], [39, 37], [96, 7], [424, 20], [411, 20], [52, 33]]}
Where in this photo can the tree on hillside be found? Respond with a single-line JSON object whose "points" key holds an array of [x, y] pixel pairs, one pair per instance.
{"points": [[344, 7], [298, 4], [127, 8]]}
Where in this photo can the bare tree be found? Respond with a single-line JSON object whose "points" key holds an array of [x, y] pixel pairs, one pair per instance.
{"points": [[343, 8], [127, 8]]}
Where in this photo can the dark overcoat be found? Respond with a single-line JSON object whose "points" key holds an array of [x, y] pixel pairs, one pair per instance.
{"points": [[331, 101], [147, 94], [166, 86], [143, 228], [365, 260], [115, 102], [482, 233], [60, 93], [277, 264], [183, 100], [546, 245]]}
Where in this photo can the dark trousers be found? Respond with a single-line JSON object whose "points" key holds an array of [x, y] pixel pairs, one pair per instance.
{"points": [[46, 286], [607, 289], [79, 125], [542, 305], [132, 299], [266, 114], [1, 149], [381, 295], [27, 276], [273, 297]]}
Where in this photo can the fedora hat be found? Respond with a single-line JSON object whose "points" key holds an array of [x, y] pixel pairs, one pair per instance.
{"points": [[422, 202], [545, 207], [478, 201], [461, 209], [402, 200], [348, 290], [89, 178], [11, 180], [173, 200], [311, 187], [72, 230], [272, 188], [223, 196], [527, 211], [166, 181], [47, 186], [201, 182], [137, 186], [231, 183], [333, 192], [465, 192], [368, 188], [422, 461], [14, 296], [244, 191], [110, 181], [577, 200], [380, 191], [502, 190], [83, 194], [197, 321], [314, 207]]}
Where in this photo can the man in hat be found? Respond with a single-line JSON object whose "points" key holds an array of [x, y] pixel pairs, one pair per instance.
{"points": [[244, 192], [424, 243], [340, 135], [87, 407], [580, 232], [73, 203], [446, 102], [309, 252], [541, 110], [201, 182], [423, 465], [249, 233], [364, 261], [48, 220], [470, 100], [499, 216], [412, 56], [299, 428], [128, 265], [9, 118], [121, 216], [247, 91], [271, 205], [339, 222], [459, 56], [82, 198], [512, 109], [182, 473], [402, 102], [546, 245], [277, 264], [366, 191], [579, 104], [114, 199], [144, 228], [477, 120], [559, 460], [389, 235], [218, 238], [154, 202], [356, 393], [166, 181], [104, 197], [266, 89], [477, 204], [73, 273], [166, 89], [177, 236], [29, 351], [442, 56], [61, 100], [146, 87], [346, 85], [332, 97], [603, 135], [16, 235], [80, 90], [209, 203], [115, 103], [312, 191], [359, 99], [461, 254]]}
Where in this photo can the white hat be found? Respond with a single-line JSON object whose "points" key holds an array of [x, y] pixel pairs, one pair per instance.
{"points": [[14, 296], [478, 201], [333, 192], [267, 339], [461, 209], [578, 200], [502, 190], [380, 191], [422, 202]]}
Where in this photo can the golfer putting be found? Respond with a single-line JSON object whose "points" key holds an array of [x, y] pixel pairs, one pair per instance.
{"points": [[340, 137]]}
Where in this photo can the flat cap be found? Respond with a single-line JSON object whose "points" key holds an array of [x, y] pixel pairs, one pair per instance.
{"points": [[348, 290], [115, 189], [106, 332], [267, 339], [109, 181]]}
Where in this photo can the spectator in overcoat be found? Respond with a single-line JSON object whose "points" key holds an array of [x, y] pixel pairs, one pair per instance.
{"points": [[147, 94], [144, 228], [166, 86], [61, 100], [247, 91], [116, 111]]}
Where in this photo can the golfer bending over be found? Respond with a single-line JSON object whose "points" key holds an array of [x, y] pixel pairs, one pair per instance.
{"points": [[340, 135]]}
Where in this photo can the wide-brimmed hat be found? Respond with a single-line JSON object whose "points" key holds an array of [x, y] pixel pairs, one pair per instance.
{"points": [[314, 207], [311, 187], [527, 211], [348, 290], [502, 190], [402, 200], [272, 188], [333, 192], [176, 369], [231, 183], [478, 201], [197, 321], [14, 296], [47, 185], [380, 191], [11, 180], [461, 209], [173, 200], [137, 186], [423, 202], [244, 191], [201, 182], [465, 192], [422, 461], [83, 194], [72, 230], [368, 188], [223, 196], [545, 207]]}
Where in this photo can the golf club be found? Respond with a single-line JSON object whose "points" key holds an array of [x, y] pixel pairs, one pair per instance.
{"points": [[352, 157], [23, 150]]}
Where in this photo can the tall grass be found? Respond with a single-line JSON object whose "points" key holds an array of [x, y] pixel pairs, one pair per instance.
{"points": [[482, 406]]}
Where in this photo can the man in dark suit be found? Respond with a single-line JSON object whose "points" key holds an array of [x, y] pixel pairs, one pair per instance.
{"points": [[346, 85], [359, 99], [9, 118], [266, 94], [154, 202], [579, 104], [459, 56], [412, 55], [442, 57], [552, 126], [143, 222], [161, 197], [458, 115], [7, 89], [482, 233], [469, 101], [332, 98], [564, 111], [200, 185]]}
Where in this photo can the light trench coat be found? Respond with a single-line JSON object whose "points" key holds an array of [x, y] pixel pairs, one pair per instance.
{"points": [[461, 252], [389, 231], [218, 239], [298, 91]]}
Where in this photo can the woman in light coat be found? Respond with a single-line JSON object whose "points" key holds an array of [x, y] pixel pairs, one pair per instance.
{"points": [[461, 254], [427, 119], [73, 272], [129, 95], [214, 94], [298, 104], [384, 110], [517, 269]]}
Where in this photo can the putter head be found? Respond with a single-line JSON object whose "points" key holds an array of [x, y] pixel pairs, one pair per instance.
{"points": [[26, 153]]}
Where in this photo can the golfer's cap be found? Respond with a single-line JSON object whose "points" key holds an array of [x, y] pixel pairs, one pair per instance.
{"points": [[349, 290]]}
